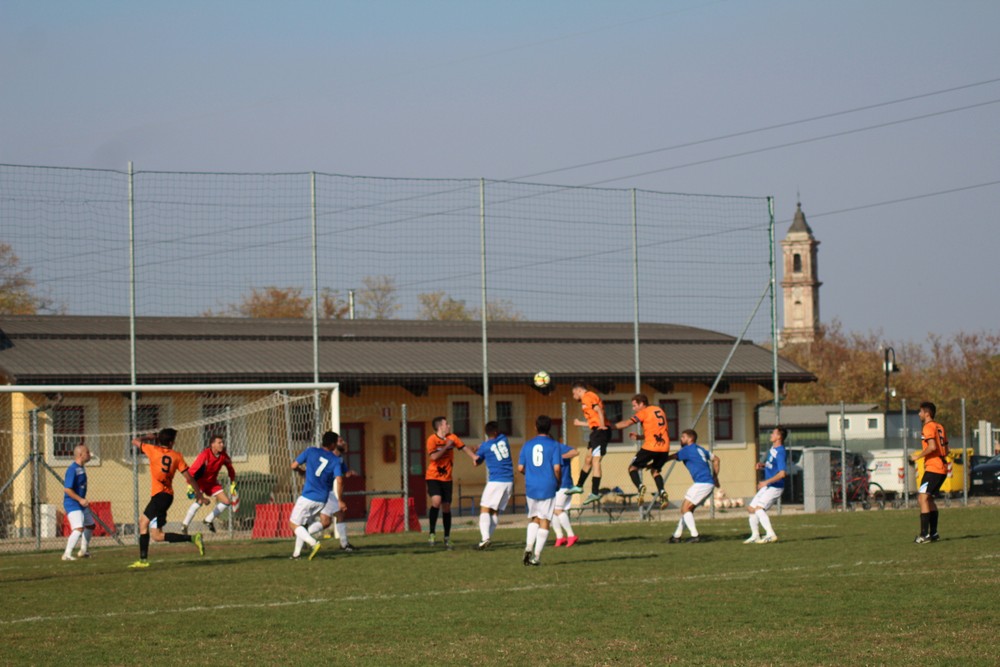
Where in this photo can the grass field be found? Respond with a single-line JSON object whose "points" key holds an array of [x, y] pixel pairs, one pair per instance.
{"points": [[844, 589]]}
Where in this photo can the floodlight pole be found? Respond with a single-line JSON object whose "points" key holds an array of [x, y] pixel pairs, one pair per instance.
{"points": [[776, 389], [482, 297], [635, 293], [134, 396]]}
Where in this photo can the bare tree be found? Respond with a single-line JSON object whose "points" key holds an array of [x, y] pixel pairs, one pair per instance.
{"points": [[17, 289], [376, 300]]}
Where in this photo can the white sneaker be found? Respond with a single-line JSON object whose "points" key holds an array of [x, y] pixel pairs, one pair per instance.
{"points": [[767, 539], [65, 557], [753, 539], [83, 554]]}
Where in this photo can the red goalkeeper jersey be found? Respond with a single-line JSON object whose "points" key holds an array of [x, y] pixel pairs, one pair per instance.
{"points": [[206, 466]]}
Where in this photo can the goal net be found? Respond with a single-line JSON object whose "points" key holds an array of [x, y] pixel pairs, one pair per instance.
{"points": [[264, 427]]}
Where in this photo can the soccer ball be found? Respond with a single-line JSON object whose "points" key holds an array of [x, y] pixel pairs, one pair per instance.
{"points": [[542, 379]]}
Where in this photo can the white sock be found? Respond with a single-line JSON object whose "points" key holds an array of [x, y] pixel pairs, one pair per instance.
{"points": [[485, 526], [341, 529], [85, 540], [754, 525], [302, 534], [298, 546], [532, 534], [765, 521], [557, 526], [680, 528], [493, 524], [315, 528], [689, 522], [543, 534], [191, 512], [219, 509], [74, 537], [566, 525]]}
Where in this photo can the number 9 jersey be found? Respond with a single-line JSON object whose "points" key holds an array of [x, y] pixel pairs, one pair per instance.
{"points": [[163, 463]]}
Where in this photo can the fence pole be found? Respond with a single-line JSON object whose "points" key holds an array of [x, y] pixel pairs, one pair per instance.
{"points": [[36, 499], [317, 409], [843, 461], [711, 449], [635, 293], [776, 389], [966, 468], [405, 459], [134, 397], [906, 459], [482, 297]]}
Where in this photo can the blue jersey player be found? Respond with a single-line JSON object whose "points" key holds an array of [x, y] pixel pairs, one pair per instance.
{"points": [[495, 453], [541, 464], [319, 467], [769, 489], [704, 469], [77, 507], [560, 510]]}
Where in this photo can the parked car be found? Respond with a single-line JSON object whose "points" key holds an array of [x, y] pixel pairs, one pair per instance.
{"points": [[985, 478]]}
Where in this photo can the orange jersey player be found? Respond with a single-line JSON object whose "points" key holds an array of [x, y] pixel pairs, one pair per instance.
{"points": [[597, 445], [655, 451], [934, 450], [164, 462], [441, 446]]}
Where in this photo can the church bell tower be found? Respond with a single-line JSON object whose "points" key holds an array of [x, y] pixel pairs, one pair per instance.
{"points": [[800, 283]]}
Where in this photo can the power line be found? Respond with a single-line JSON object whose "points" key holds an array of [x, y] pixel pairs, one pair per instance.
{"points": [[766, 128], [799, 142]]}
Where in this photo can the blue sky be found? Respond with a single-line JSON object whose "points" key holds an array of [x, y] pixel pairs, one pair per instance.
{"points": [[504, 90]]}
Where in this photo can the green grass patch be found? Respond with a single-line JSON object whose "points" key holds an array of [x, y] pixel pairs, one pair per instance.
{"points": [[837, 589]]}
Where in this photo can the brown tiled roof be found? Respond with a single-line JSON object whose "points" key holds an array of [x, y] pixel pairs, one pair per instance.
{"points": [[72, 349]]}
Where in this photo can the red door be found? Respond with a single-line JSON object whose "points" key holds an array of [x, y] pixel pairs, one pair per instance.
{"points": [[415, 445], [354, 482]]}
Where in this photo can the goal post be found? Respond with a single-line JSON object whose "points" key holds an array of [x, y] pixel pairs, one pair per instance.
{"points": [[265, 425]]}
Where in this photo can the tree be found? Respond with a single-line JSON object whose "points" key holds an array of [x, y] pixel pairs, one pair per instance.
{"points": [[284, 302], [17, 289], [377, 299], [440, 306], [849, 368]]}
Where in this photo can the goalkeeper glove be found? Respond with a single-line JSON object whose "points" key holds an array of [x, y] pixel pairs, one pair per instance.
{"points": [[190, 492], [232, 488]]}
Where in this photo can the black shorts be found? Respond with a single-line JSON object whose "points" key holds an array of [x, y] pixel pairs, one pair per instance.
{"points": [[436, 487], [599, 440], [157, 508], [647, 459], [931, 482]]}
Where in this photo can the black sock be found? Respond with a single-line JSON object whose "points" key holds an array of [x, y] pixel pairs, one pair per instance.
{"points": [[933, 522], [176, 537], [144, 546], [659, 483], [596, 482], [582, 478], [925, 522], [636, 478], [433, 517], [446, 520]]}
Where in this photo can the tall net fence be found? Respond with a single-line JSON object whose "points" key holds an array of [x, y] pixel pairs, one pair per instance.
{"points": [[214, 244], [311, 246]]}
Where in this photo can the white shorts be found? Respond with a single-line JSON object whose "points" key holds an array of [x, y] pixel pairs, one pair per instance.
{"points": [[332, 505], [541, 509], [698, 493], [496, 495], [766, 497], [562, 501], [305, 511], [80, 518]]}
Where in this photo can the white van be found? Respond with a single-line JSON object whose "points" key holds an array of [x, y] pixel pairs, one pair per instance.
{"points": [[886, 470]]}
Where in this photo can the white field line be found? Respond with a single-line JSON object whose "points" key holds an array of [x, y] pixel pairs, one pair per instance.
{"points": [[845, 570]]}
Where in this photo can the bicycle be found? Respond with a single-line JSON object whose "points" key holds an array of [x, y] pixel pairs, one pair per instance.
{"points": [[860, 489]]}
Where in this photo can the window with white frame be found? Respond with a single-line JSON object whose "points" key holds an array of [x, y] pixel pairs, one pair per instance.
{"points": [[73, 422], [233, 429], [151, 414], [729, 418], [461, 418], [872, 423]]}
